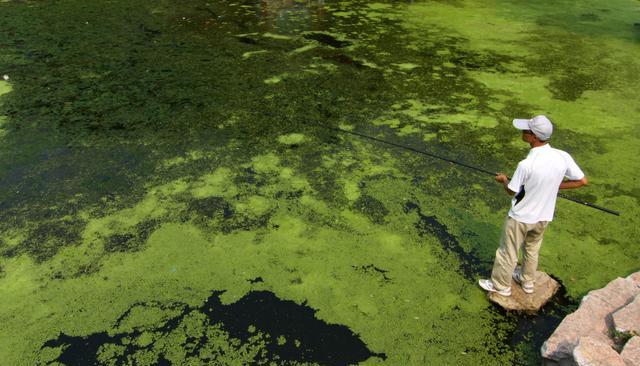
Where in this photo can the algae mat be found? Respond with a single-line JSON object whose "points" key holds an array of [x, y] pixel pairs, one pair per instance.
{"points": [[169, 194]]}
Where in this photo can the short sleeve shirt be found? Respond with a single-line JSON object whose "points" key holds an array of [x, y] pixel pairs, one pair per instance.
{"points": [[536, 182]]}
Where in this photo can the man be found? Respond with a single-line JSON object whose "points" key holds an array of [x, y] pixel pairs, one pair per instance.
{"points": [[535, 186]]}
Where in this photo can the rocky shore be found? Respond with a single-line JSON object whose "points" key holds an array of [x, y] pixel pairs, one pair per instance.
{"points": [[605, 330]]}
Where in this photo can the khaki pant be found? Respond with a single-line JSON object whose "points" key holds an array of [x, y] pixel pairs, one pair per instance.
{"points": [[517, 235]]}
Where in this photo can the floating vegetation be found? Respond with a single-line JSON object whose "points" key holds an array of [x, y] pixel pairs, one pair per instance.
{"points": [[153, 152]]}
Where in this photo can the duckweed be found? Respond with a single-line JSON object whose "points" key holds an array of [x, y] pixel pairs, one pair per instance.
{"points": [[169, 183]]}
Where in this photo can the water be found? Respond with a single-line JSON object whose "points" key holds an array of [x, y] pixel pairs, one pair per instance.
{"points": [[156, 153]]}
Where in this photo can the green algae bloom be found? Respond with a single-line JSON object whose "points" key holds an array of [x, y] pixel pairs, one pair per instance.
{"points": [[165, 167], [292, 139]]}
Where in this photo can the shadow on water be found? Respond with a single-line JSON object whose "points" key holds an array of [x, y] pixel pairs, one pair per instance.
{"points": [[293, 334], [530, 331], [469, 265], [534, 330]]}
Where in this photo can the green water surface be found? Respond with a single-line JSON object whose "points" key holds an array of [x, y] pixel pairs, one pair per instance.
{"points": [[152, 152]]}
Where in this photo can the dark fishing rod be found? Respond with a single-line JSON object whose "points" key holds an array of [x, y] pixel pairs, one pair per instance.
{"points": [[589, 204]]}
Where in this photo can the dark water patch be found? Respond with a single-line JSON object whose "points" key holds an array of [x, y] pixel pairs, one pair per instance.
{"points": [[216, 214], [291, 334], [324, 181], [289, 195], [82, 270], [212, 208], [531, 331], [249, 176], [246, 223], [371, 208], [47, 238], [327, 344], [429, 225], [327, 39], [120, 243], [370, 269], [132, 241], [574, 83], [88, 350], [84, 350], [575, 142], [573, 66], [615, 190]]}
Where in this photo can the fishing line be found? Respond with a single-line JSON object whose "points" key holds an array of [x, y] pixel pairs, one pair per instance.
{"points": [[435, 156]]}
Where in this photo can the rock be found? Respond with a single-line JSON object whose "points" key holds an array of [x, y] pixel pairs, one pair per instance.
{"points": [[591, 352], [618, 292], [627, 319], [589, 319], [545, 288], [593, 318], [634, 278], [631, 352]]}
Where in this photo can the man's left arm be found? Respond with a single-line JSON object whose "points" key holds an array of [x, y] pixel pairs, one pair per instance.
{"points": [[573, 172], [568, 184]]}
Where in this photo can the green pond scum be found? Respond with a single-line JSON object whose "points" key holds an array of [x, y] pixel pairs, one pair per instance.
{"points": [[170, 194]]}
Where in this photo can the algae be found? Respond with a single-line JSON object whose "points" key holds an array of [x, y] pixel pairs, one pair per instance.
{"points": [[155, 154]]}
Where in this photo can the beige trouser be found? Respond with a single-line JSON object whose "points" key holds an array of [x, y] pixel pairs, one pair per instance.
{"points": [[517, 235]]}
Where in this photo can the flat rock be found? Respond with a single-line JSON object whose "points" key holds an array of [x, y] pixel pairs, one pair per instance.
{"points": [[545, 288], [627, 319], [592, 352], [593, 318], [631, 352]]}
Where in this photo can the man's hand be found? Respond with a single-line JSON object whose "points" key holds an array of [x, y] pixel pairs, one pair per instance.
{"points": [[501, 178]]}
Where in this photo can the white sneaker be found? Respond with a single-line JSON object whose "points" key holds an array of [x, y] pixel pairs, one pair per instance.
{"points": [[527, 287], [488, 285]]}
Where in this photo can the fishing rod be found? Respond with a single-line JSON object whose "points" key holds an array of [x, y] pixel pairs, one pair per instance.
{"points": [[588, 204]]}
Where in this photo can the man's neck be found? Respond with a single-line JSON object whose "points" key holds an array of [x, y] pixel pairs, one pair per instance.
{"points": [[537, 143]]}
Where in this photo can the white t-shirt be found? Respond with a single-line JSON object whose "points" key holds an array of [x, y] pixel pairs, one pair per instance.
{"points": [[537, 181]]}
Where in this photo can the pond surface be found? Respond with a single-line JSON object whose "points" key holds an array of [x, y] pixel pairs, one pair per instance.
{"points": [[174, 189]]}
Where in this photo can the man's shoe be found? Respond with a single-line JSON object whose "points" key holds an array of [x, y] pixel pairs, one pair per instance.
{"points": [[488, 285], [527, 287]]}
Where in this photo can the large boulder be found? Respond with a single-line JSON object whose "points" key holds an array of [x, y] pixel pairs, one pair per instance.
{"points": [[593, 318], [627, 319], [520, 301], [592, 352], [631, 352]]}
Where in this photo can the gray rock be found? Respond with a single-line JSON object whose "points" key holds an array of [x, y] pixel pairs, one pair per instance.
{"points": [[593, 318], [520, 301], [627, 319], [591, 352], [631, 352]]}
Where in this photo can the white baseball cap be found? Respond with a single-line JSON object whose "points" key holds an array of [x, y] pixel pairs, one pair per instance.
{"points": [[539, 125]]}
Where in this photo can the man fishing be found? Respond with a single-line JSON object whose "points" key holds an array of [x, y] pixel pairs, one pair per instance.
{"points": [[534, 188]]}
